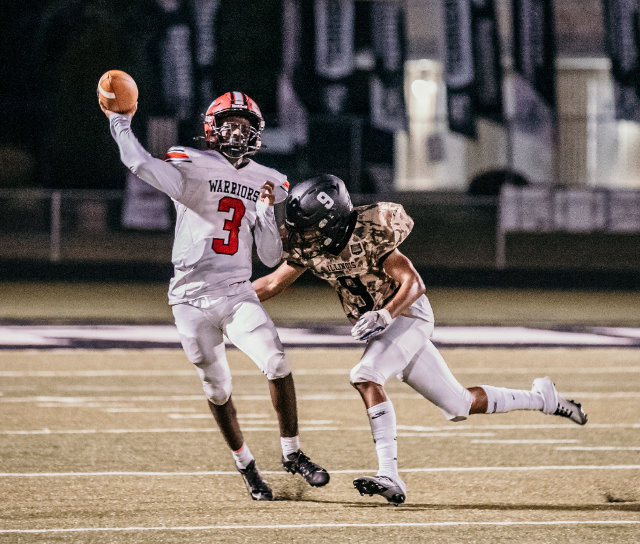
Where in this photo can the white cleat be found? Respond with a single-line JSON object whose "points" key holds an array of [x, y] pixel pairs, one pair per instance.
{"points": [[391, 488], [554, 404]]}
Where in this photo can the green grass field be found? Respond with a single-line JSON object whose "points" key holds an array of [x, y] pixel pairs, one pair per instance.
{"points": [[118, 446], [147, 303]]}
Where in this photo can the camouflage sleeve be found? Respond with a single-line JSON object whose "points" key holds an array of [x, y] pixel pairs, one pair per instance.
{"points": [[394, 225]]}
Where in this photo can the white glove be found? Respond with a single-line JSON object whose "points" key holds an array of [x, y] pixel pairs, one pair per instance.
{"points": [[371, 324]]}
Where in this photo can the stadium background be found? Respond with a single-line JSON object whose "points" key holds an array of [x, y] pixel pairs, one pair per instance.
{"points": [[76, 263]]}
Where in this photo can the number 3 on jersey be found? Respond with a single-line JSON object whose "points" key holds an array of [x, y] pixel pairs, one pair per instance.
{"points": [[232, 225]]}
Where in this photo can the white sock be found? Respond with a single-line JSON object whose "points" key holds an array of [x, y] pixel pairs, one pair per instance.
{"points": [[289, 445], [501, 399], [382, 418], [242, 457]]}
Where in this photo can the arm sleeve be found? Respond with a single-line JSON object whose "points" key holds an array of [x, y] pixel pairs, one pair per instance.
{"points": [[268, 242], [136, 158]]}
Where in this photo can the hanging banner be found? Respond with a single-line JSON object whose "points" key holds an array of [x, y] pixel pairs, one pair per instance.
{"points": [[205, 12], [176, 60], [387, 103], [488, 101], [534, 47], [459, 73], [621, 40], [334, 51]]}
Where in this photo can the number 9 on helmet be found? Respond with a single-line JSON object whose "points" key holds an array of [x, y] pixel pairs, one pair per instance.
{"points": [[317, 216]]}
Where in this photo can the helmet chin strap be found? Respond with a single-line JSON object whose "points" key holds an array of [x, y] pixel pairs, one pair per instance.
{"points": [[236, 161]]}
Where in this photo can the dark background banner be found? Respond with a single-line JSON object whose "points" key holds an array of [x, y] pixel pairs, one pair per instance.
{"points": [[487, 60], [621, 42], [534, 47], [459, 67]]}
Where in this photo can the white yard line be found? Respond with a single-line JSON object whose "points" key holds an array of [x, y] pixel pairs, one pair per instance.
{"points": [[598, 448], [525, 441], [402, 428], [326, 525], [348, 471], [301, 396], [302, 372]]}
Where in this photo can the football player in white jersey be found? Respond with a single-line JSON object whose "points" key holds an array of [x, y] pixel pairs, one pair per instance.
{"points": [[224, 201], [356, 251]]}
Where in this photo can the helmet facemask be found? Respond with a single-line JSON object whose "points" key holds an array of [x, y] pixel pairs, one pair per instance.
{"points": [[231, 137]]}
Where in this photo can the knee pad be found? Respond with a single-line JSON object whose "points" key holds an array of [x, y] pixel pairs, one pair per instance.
{"points": [[192, 349], [457, 408], [217, 392], [277, 367], [213, 370], [360, 374]]}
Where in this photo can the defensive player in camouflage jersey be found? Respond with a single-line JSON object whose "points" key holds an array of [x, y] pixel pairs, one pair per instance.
{"points": [[356, 251]]}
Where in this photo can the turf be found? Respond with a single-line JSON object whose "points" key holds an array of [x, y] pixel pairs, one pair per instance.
{"points": [[147, 303], [118, 446]]}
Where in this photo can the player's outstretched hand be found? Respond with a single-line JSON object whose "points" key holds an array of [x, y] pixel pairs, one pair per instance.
{"points": [[266, 193], [109, 113], [371, 324]]}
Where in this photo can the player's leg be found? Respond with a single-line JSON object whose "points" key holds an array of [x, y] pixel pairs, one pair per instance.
{"points": [[250, 328], [203, 344], [386, 355], [430, 376], [543, 397]]}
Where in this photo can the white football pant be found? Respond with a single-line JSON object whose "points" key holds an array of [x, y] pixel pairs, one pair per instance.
{"points": [[201, 325], [404, 349]]}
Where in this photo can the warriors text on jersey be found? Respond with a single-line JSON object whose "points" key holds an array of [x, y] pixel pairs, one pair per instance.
{"points": [[218, 214], [357, 274]]}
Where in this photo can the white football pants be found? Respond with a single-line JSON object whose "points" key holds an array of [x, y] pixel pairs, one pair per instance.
{"points": [[201, 325], [404, 349]]}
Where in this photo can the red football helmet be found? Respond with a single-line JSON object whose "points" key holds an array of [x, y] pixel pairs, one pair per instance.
{"points": [[220, 138]]}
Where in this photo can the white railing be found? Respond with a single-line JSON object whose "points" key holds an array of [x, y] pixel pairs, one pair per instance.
{"points": [[549, 209]]}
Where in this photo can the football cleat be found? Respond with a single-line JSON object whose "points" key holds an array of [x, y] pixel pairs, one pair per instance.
{"points": [[257, 487], [298, 463], [554, 404], [392, 489]]}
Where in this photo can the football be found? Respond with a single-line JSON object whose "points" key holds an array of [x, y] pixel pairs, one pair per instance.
{"points": [[117, 91]]}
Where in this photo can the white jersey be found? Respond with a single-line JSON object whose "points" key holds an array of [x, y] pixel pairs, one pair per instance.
{"points": [[218, 214]]}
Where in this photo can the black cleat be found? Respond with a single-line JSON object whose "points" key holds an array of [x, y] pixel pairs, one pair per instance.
{"points": [[257, 487], [392, 490], [555, 405], [572, 410], [298, 463]]}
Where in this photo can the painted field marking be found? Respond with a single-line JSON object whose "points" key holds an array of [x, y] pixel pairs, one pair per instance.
{"points": [[525, 441], [326, 525], [302, 372], [132, 410], [133, 336], [303, 396], [412, 428], [347, 471], [599, 448], [443, 434]]}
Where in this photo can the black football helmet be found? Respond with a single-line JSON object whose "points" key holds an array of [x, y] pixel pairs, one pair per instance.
{"points": [[317, 216]]}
